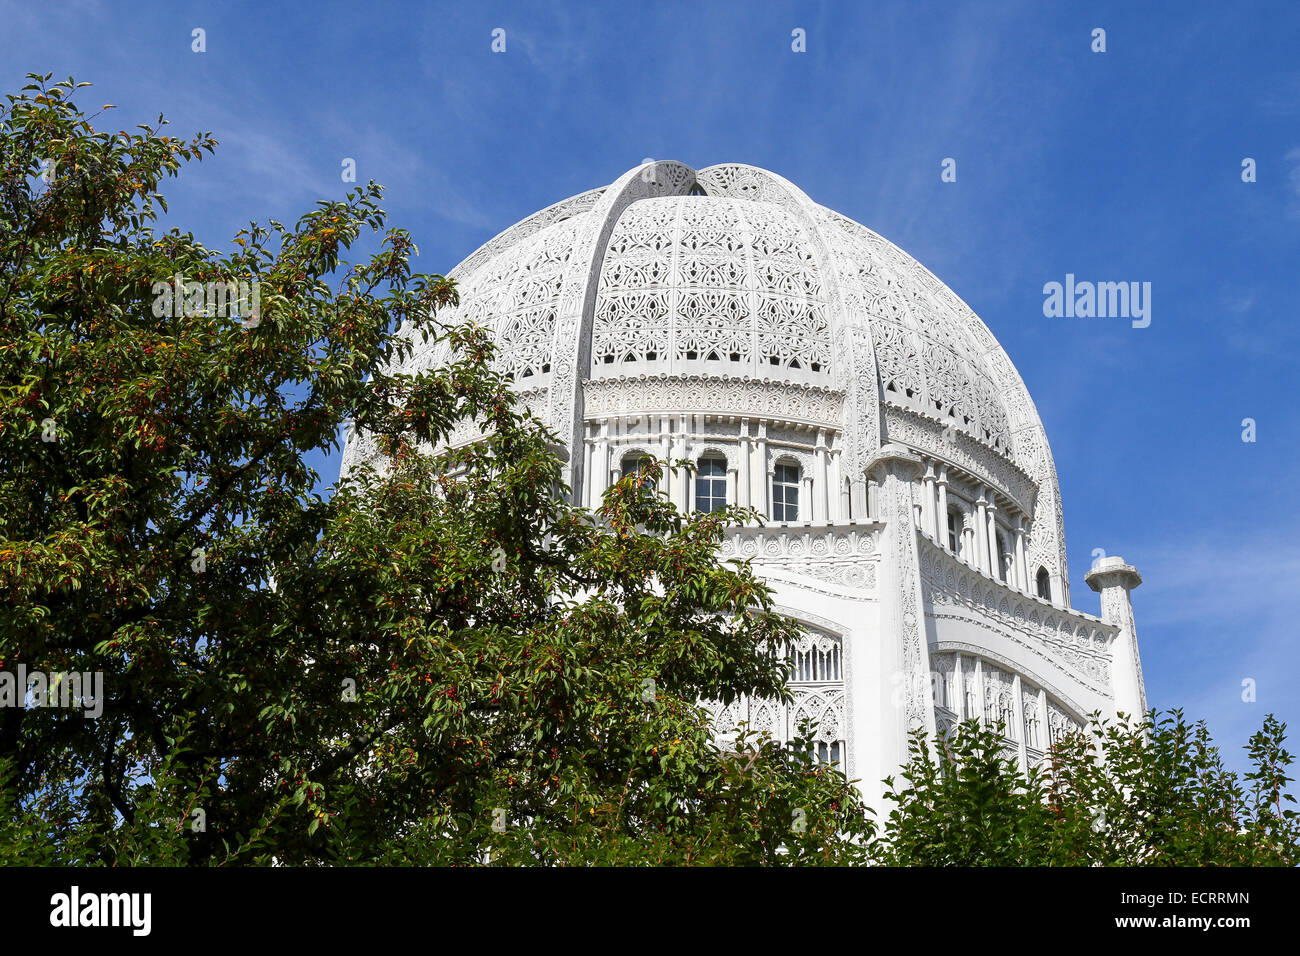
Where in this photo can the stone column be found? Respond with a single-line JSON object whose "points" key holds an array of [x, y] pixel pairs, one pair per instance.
{"points": [[590, 480], [929, 510], [1022, 572], [582, 495], [762, 485], [1019, 716], [840, 488], [616, 449], [660, 431], [821, 500], [1114, 579], [744, 493], [687, 480], [995, 562], [982, 532], [942, 487], [805, 510], [959, 687], [1044, 729], [600, 472], [903, 664], [858, 499]]}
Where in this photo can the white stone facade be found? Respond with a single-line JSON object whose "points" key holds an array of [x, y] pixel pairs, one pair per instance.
{"points": [[822, 376]]}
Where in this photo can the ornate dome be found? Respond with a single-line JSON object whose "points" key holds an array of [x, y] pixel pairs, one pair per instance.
{"points": [[727, 293]]}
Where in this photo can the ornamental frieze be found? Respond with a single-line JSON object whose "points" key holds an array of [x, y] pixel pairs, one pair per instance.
{"points": [[908, 427], [956, 591], [844, 554], [720, 395]]}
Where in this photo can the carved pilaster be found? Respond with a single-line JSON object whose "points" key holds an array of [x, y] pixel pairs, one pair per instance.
{"points": [[904, 659], [571, 343]]}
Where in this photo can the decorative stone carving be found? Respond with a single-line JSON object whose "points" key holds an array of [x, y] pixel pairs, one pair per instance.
{"points": [[999, 703], [895, 468], [924, 432], [1060, 723], [690, 284], [1070, 638], [819, 405], [508, 238], [913, 313], [819, 698], [842, 554]]}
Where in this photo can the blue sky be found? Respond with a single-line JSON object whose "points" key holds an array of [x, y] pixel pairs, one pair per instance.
{"points": [[1115, 166]]}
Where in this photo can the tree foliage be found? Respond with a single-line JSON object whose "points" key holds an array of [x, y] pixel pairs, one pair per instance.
{"points": [[442, 661], [1146, 792]]}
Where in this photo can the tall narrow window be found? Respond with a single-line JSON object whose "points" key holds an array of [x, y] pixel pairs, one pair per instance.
{"points": [[827, 752], [817, 685], [1044, 583], [816, 661], [711, 485], [954, 530], [635, 465], [1007, 715], [1031, 728], [785, 492], [1002, 556]]}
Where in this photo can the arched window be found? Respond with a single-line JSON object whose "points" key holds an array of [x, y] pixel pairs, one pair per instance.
{"points": [[1044, 584], [1007, 715], [954, 530], [636, 464], [816, 661], [817, 684], [711, 484], [1031, 728], [785, 492]]}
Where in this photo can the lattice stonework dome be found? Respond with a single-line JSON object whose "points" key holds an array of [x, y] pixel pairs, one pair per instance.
{"points": [[821, 375]]}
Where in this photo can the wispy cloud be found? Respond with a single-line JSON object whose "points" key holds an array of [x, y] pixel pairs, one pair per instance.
{"points": [[1217, 609]]}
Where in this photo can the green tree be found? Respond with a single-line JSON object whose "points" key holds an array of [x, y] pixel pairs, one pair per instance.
{"points": [[440, 661], [966, 805], [1149, 792]]}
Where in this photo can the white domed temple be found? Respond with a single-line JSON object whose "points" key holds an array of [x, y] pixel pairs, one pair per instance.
{"points": [[819, 374]]}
